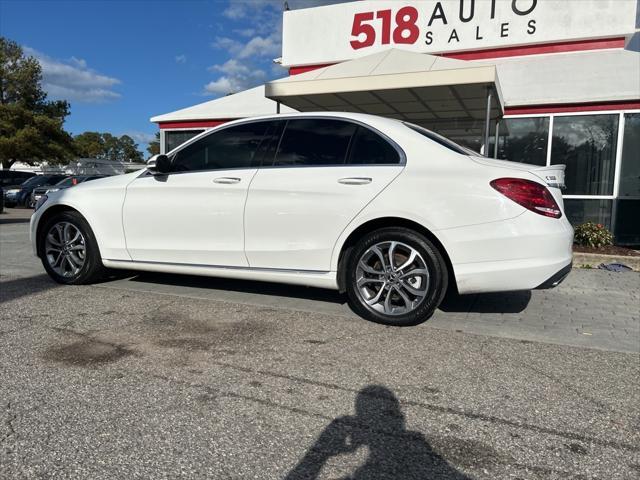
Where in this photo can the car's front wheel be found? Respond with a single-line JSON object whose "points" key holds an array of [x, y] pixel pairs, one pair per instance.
{"points": [[395, 276], [68, 249]]}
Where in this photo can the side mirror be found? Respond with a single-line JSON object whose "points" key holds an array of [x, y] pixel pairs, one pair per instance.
{"points": [[159, 164]]}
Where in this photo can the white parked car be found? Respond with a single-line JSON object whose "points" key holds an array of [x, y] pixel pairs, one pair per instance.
{"points": [[387, 211]]}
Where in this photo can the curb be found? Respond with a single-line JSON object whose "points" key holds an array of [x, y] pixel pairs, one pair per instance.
{"points": [[581, 259]]}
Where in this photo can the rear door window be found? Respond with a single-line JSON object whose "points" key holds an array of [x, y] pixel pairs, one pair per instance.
{"points": [[369, 148], [315, 142]]}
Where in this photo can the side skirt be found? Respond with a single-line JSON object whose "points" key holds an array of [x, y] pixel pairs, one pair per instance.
{"points": [[293, 277]]}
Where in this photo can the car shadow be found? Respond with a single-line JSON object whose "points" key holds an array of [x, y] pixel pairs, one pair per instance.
{"points": [[392, 451], [503, 302], [500, 302], [242, 286], [25, 286], [7, 221]]}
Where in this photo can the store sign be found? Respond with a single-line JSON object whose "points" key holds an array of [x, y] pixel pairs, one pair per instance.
{"points": [[344, 31]]}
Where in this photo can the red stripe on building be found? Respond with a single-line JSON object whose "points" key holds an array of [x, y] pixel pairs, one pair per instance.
{"points": [[577, 107], [194, 124], [560, 47], [308, 68]]}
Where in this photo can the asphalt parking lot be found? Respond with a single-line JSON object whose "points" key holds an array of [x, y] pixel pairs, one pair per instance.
{"points": [[164, 377]]}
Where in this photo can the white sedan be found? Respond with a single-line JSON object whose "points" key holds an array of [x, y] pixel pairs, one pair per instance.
{"points": [[386, 211]]}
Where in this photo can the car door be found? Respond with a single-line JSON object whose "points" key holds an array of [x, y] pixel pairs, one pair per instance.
{"points": [[194, 214], [324, 172]]}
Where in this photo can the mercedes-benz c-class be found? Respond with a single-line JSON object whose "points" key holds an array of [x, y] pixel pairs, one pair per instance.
{"points": [[386, 211]]}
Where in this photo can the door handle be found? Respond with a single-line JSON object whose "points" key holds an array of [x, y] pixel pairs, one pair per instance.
{"points": [[226, 180], [355, 180]]}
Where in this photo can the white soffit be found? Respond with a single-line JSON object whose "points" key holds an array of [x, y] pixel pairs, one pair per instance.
{"points": [[248, 103]]}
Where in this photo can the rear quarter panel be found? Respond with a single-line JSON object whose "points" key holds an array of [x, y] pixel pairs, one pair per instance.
{"points": [[439, 189]]}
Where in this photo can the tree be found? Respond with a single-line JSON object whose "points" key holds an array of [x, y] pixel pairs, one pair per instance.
{"points": [[107, 146], [89, 145], [31, 128], [154, 147]]}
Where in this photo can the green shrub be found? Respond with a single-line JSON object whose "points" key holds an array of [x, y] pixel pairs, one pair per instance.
{"points": [[593, 235]]}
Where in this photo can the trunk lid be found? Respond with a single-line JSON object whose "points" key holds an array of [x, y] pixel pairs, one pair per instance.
{"points": [[553, 175]]}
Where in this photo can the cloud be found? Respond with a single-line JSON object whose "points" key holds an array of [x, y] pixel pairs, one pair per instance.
{"points": [[181, 59], [245, 32], [262, 46], [142, 137], [230, 67], [74, 80], [222, 86], [256, 40], [239, 9], [236, 76], [229, 44]]}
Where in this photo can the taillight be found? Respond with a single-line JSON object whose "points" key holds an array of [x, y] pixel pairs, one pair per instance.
{"points": [[531, 195]]}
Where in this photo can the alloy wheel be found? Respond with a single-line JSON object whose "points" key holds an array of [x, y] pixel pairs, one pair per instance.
{"points": [[392, 278], [65, 249]]}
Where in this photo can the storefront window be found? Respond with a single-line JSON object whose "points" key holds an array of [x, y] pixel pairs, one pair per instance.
{"points": [[630, 168], [177, 137], [627, 227], [586, 144], [465, 132], [523, 140], [581, 210]]}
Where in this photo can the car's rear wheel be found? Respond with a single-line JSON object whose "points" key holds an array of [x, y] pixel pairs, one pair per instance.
{"points": [[395, 276], [69, 251]]}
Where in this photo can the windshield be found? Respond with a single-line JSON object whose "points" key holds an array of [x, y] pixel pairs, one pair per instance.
{"points": [[445, 142]]}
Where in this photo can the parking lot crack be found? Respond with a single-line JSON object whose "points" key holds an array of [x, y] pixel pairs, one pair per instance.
{"points": [[456, 411], [9, 423]]}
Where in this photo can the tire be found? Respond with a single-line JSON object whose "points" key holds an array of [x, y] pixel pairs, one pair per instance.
{"points": [[83, 264], [412, 299]]}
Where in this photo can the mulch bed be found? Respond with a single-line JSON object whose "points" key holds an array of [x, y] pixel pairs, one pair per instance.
{"points": [[612, 250]]}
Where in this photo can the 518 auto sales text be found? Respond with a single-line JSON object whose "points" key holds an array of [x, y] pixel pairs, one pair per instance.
{"points": [[403, 27]]}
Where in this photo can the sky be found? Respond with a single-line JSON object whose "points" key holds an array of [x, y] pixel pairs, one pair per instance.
{"points": [[119, 62]]}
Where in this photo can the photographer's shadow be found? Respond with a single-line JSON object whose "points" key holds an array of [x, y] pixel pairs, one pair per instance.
{"points": [[379, 425]]}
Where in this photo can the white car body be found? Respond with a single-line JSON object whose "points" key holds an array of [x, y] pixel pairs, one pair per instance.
{"points": [[290, 224]]}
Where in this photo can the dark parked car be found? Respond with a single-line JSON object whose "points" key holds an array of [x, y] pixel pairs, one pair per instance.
{"points": [[62, 184], [12, 179], [21, 196], [1, 199]]}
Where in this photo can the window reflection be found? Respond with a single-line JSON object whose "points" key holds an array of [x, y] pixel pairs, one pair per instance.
{"points": [[178, 137], [630, 168], [581, 211], [523, 140], [587, 146]]}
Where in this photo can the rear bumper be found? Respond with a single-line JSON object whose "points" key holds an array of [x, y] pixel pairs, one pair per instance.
{"points": [[556, 279], [523, 253]]}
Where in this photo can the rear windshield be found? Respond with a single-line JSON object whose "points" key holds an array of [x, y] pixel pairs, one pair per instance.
{"points": [[439, 139], [67, 182]]}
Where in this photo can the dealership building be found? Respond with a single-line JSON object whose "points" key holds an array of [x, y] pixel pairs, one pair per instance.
{"points": [[536, 81]]}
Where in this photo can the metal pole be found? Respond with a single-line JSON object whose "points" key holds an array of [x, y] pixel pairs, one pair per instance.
{"points": [[278, 108], [487, 125], [495, 145]]}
